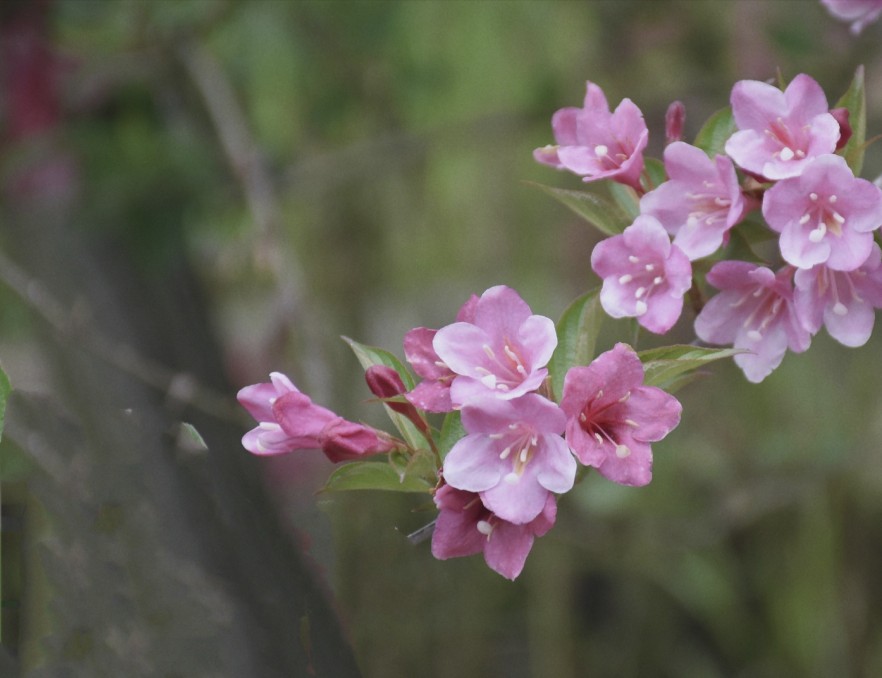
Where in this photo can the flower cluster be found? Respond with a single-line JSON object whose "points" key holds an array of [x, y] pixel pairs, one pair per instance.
{"points": [[784, 155], [496, 487]]}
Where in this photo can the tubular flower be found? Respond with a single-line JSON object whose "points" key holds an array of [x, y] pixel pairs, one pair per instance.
{"points": [[502, 352], [513, 455], [644, 275], [755, 312], [612, 417], [465, 526], [701, 201], [842, 301], [780, 132], [825, 215], [289, 421], [597, 144]]}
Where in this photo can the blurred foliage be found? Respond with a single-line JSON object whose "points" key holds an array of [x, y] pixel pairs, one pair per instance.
{"points": [[360, 168]]}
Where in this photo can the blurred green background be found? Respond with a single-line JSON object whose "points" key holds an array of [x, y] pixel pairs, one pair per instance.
{"points": [[317, 169]]}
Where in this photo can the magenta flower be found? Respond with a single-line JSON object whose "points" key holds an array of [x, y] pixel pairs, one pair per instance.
{"points": [[433, 393], [513, 455], [612, 417], [288, 420], [859, 12], [755, 312], [701, 201], [501, 352], [842, 301], [780, 132], [644, 275], [825, 215], [464, 526], [597, 144]]}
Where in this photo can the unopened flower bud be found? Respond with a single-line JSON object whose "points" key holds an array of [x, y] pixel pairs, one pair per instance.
{"points": [[343, 440], [385, 382], [674, 119], [841, 115]]}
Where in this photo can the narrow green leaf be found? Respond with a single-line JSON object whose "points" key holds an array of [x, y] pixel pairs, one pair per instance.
{"points": [[719, 127], [577, 332], [594, 208], [190, 439], [370, 355], [5, 390], [655, 171], [451, 432], [662, 365], [855, 101], [627, 200], [374, 475]]}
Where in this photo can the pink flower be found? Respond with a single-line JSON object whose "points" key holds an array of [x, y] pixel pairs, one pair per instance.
{"points": [[859, 12], [844, 302], [502, 352], [754, 312], [433, 393], [825, 215], [780, 132], [464, 526], [597, 144], [513, 455], [644, 275], [612, 417], [701, 201], [288, 420]]}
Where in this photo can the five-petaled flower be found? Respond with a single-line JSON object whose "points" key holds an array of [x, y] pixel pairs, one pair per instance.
{"points": [[754, 312], [465, 526], [597, 144], [644, 275], [612, 417], [501, 352], [513, 455], [825, 215], [780, 132]]}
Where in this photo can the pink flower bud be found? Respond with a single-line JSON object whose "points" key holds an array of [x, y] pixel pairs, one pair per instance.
{"points": [[343, 440], [674, 119], [841, 115]]}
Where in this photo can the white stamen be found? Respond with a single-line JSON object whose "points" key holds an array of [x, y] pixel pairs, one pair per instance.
{"points": [[582, 417], [657, 280], [722, 202], [633, 259], [787, 154], [440, 363], [504, 454], [496, 436], [622, 451], [639, 292], [272, 401], [840, 309], [839, 218], [512, 478], [804, 219], [800, 154], [632, 423], [813, 197], [489, 351], [598, 439], [600, 150], [832, 199], [489, 380], [524, 453], [817, 235], [753, 335], [625, 397], [269, 426], [625, 279], [641, 307], [484, 528], [649, 268]]}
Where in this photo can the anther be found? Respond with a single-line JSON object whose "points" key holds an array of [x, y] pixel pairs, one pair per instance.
{"points": [[787, 154], [484, 528], [622, 451], [625, 279], [600, 150], [641, 307]]}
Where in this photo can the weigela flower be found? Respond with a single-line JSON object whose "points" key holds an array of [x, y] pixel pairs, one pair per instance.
{"points": [[501, 352], [513, 455], [825, 215], [644, 275], [433, 393], [464, 526], [859, 12], [780, 132], [701, 201], [754, 312], [612, 417], [288, 420], [842, 301], [597, 144]]}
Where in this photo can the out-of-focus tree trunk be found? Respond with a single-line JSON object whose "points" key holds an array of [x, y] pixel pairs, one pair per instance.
{"points": [[155, 557]]}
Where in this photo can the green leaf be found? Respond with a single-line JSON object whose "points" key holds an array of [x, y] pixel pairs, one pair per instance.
{"points": [[451, 432], [374, 475], [5, 390], [655, 171], [577, 332], [592, 207], [719, 127], [855, 101], [662, 365], [368, 356], [627, 200]]}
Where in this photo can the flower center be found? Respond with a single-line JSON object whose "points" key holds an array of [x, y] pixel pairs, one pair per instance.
{"points": [[642, 281], [765, 311], [601, 423], [790, 146], [824, 216], [502, 372], [523, 442]]}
